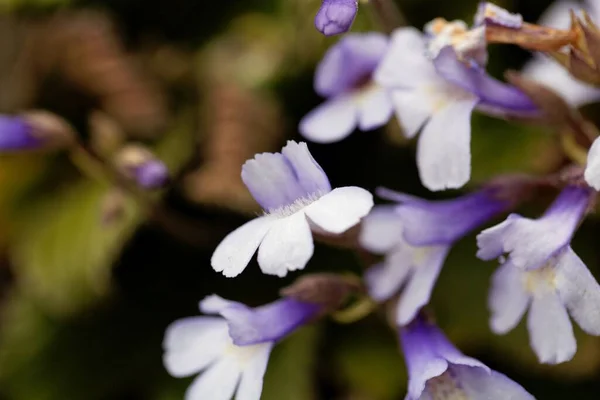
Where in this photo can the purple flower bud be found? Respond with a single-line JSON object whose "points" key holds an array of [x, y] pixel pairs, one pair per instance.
{"points": [[336, 16], [141, 165], [151, 174], [17, 134]]}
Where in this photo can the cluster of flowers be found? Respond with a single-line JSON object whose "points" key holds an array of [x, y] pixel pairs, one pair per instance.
{"points": [[432, 81]]}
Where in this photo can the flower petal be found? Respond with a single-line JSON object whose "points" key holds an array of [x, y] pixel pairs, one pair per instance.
{"points": [[381, 230], [287, 246], [191, 344], [332, 121], [307, 171], [218, 382], [491, 241], [413, 109], [551, 333], [214, 304], [579, 291], [444, 148], [508, 300], [489, 385], [385, 279], [374, 107], [234, 253], [252, 377], [592, 169]]}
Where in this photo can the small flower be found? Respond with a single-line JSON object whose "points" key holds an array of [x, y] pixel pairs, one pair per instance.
{"points": [[141, 165], [17, 134], [544, 274], [344, 77], [439, 95], [292, 189], [415, 237], [34, 130], [336, 16], [439, 371], [550, 73], [233, 351]]}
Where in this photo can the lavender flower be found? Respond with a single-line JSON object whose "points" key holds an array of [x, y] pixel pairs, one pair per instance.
{"points": [[439, 95], [344, 77], [543, 273], [293, 190], [439, 371], [233, 351], [152, 174], [16, 133], [336, 16], [548, 72], [415, 237]]}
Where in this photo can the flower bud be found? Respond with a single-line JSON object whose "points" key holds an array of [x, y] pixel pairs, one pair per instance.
{"points": [[336, 16], [34, 130], [139, 164]]}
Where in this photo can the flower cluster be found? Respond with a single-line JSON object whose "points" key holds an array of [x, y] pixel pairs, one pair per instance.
{"points": [[432, 81]]}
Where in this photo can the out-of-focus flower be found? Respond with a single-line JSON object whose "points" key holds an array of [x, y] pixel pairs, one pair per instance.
{"points": [[344, 77], [336, 16], [17, 134], [491, 14], [439, 96], [416, 236], [292, 189], [469, 44], [592, 169], [34, 130], [542, 273], [142, 166], [550, 73], [438, 370], [233, 351]]}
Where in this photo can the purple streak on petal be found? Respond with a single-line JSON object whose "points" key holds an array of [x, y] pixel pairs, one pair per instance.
{"points": [[308, 173], [267, 323], [495, 97], [491, 14], [444, 348], [350, 63], [152, 174], [16, 134], [336, 16]]}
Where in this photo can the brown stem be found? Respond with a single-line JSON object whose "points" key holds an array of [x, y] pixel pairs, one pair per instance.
{"points": [[387, 14]]}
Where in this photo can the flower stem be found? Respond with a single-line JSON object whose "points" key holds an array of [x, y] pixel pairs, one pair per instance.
{"points": [[387, 14]]}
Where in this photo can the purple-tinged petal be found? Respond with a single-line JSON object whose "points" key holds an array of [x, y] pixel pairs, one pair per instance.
{"points": [[579, 291], [152, 174], [494, 96], [508, 301], [336, 16], [234, 252], [444, 348], [444, 148], [592, 169], [17, 134], [217, 383], [375, 107], [341, 209], [308, 173], [288, 246], [490, 242], [428, 262], [381, 230], [385, 279], [491, 14], [251, 383], [350, 63], [550, 330], [332, 121], [268, 323], [478, 383]]}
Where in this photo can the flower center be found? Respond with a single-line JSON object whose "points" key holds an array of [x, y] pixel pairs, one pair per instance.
{"points": [[445, 387], [243, 354], [542, 278], [297, 205]]}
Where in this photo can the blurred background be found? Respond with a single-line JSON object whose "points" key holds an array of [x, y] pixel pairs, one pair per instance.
{"points": [[91, 275]]}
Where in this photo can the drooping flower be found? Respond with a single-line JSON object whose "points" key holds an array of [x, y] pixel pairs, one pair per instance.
{"points": [[336, 16], [296, 195], [233, 350], [543, 274], [344, 78], [439, 371], [438, 96], [415, 237], [548, 72]]}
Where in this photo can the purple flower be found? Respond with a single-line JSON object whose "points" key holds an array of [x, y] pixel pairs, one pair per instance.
{"points": [[344, 77], [152, 174], [491, 14], [438, 96], [437, 370], [17, 134], [336, 16], [233, 351], [543, 273], [415, 237], [296, 195]]}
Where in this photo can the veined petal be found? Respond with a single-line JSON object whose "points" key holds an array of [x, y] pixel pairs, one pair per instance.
{"points": [[551, 333], [191, 344], [381, 230], [234, 253], [385, 279], [252, 376], [341, 209], [374, 107], [308, 173], [287, 246], [444, 148], [592, 169], [489, 385], [579, 291], [218, 382], [412, 108], [332, 121], [508, 299]]}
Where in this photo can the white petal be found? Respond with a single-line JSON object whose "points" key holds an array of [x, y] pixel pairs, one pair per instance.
{"points": [[491, 241], [381, 230], [191, 344], [557, 14], [374, 107], [234, 253], [218, 382], [508, 300], [385, 279], [550, 331], [579, 292], [287, 247], [214, 304], [340, 209], [332, 121], [413, 109], [252, 377], [444, 148], [592, 169], [480, 384]]}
